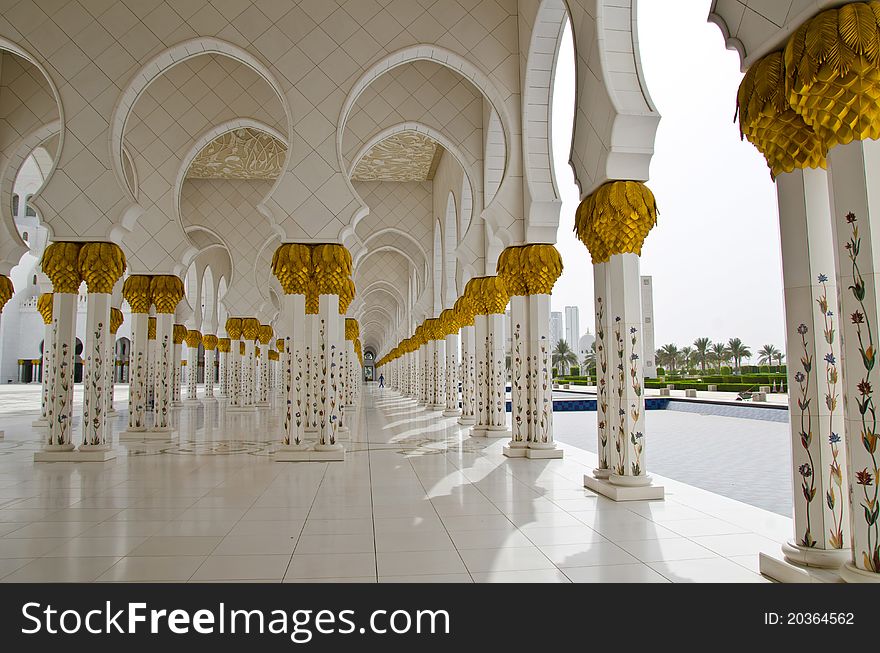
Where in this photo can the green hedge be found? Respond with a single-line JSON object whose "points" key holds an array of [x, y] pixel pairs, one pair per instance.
{"points": [[694, 385], [575, 371]]}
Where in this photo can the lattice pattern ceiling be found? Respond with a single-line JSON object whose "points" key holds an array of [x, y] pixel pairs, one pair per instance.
{"points": [[407, 156], [240, 154]]}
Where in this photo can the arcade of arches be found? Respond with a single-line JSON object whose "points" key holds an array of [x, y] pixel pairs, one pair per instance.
{"points": [[249, 196]]}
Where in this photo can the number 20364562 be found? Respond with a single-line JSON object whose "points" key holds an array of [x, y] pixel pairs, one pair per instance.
{"points": [[809, 618]]}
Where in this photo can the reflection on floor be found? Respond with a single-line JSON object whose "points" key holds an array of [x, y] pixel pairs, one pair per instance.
{"points": [[416, 500]]}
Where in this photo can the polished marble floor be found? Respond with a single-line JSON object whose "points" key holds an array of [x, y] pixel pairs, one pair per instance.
{"points": [[415, 501]]}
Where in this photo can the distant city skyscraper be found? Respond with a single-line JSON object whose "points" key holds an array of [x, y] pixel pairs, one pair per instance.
{"points": [[648, 354], [555, 328], [572, 327]]}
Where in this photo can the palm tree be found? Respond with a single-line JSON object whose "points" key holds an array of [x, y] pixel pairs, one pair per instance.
{"points": [[563, 357], [779, 358], [720, 354], [687, 354], [667, 356], [767, 354], [738, 351], [701, 350], [589, 360]]}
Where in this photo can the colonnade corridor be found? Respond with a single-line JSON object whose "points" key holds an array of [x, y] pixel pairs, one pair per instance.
{"points": [[415, 500]]}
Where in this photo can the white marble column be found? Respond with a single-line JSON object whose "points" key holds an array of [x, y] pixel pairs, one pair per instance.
{"points": [[296, 369], [327, 364], [430, 356], [164, 372], [540, 377], [151, 366], [233, 371], [628, 479], [116, 319], [468, 373], [59, 413], [209, 342], [179, 332], [481, 375], [496, 408], [138, 374], [94, 423], [311, 368], [821, 537], [265, 346], [604, 370], [438, 369], [193, 339], [223, 346], [451, 381], [520, 377], [855, 190], [44, 307]]}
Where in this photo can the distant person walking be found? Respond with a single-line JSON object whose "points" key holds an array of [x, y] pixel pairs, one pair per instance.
{"points": [[381, 380]]}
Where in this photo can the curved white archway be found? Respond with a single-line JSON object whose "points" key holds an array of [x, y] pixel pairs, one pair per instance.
{"points": [[159, 65]]}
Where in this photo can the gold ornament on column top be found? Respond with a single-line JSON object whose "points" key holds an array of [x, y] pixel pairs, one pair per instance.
{"points": [[136, 291], [767, 120], [449, 321], [250, 328], [116, 319], [832, 74], [44, 307], [419, 337], [352, 329], [493, 294], [292, 265], [178, 334], [464, 311], [183, 363], [6, 291], [61, 264], [616, 218], [209, 342], [436, 328], [257, 352], [279, 344], [265, 334], [193, 338], [332, 266], [273, 355], [166, 291], [510, 267], [223, 345], [151, 328], [474, 296], [313, 302], [101, 265], [542, 266], [241, 349], [346, 297], [233, 328]]}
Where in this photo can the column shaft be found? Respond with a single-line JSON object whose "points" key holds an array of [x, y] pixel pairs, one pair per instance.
{"points": [[94, 422]]}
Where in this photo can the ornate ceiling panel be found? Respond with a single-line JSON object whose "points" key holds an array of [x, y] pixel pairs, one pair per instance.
{"points": [[240, 154], [407, 156]]}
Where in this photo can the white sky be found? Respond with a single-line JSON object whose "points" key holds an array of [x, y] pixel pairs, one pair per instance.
{"points": [[715, 254]]}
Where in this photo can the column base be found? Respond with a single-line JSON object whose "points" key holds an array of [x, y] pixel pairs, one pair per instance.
{"points": [[144, 435], [467, 421], [544, 452], [437, 406], [783, 570], [306, 453], [241, 409], [262, 404], [177, 403], [495, 432], [452, 412], [192, 402], [820, 558], [112, 412], [624, 492], [86, 453], [515, 449], [40, 423], [852, 574], [602, 474]]}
